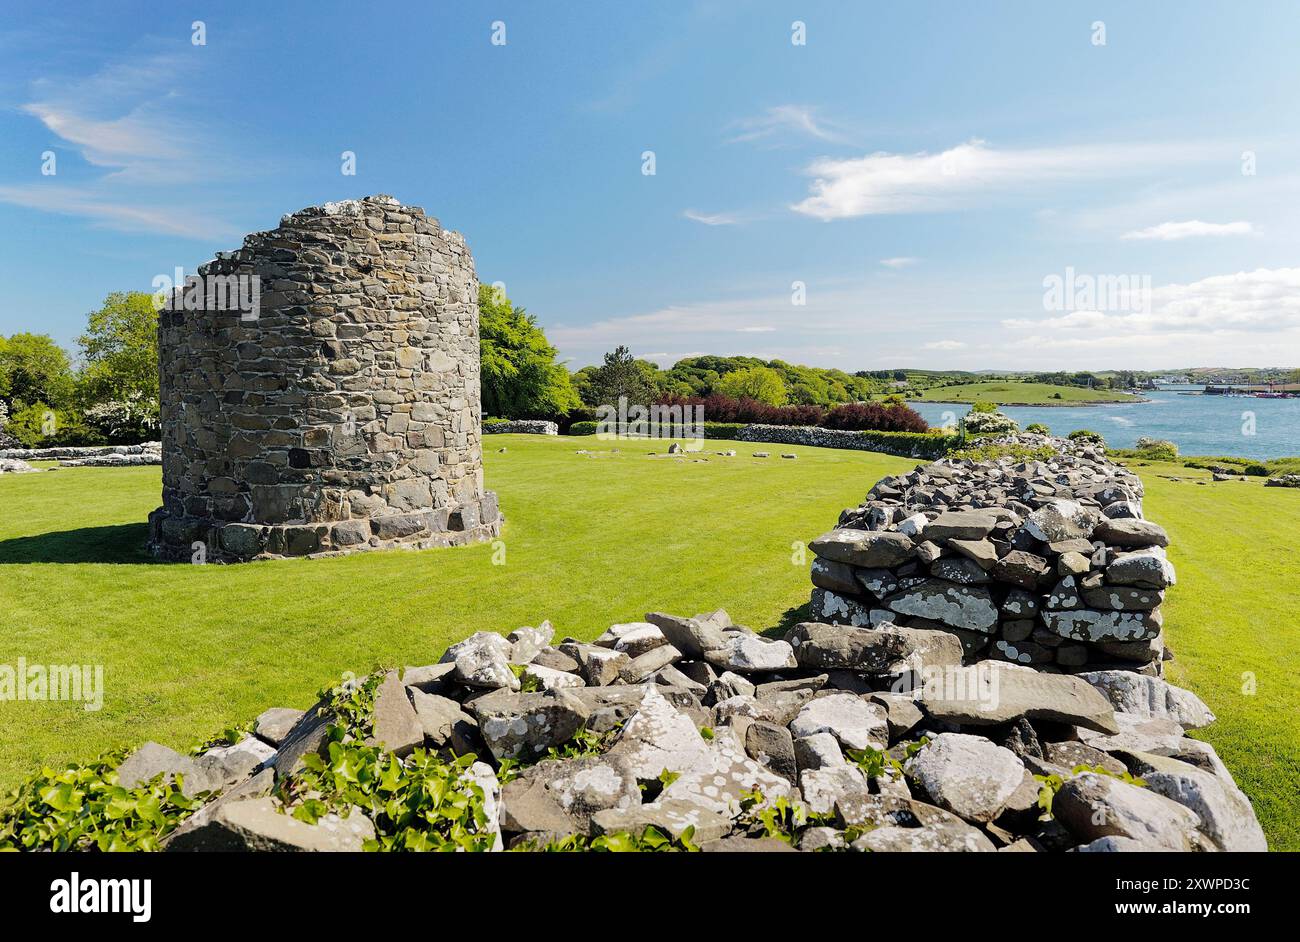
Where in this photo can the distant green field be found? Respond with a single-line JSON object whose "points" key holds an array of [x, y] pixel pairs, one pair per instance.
{"points": [[1032, 394]]}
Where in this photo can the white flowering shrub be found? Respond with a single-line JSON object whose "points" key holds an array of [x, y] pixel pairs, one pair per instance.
{"points": [[989, 423]]}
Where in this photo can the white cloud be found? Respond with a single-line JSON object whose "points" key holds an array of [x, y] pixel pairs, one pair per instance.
{"points": [[713, 219], [965, 175], [784, 120], [1170, 231], [903, 261], [755, 330], [128, 117], [129, 120], [1260, 300], [118, 215], [944, 345]]}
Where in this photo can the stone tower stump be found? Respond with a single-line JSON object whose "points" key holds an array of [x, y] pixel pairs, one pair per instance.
{"points": [[333, 406]]}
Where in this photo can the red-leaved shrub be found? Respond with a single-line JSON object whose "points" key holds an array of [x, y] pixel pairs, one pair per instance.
{"points": [[873, 416], [853, 416]]}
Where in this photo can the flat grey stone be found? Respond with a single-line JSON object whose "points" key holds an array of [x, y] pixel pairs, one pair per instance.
{"points": [[273, 725], [1150, 698], [853, 721], [863, 548], [990, 693], [967, 775]]}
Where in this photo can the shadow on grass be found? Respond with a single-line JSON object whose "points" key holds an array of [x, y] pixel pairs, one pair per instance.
{"points": [[792, 617], [123, 543]]}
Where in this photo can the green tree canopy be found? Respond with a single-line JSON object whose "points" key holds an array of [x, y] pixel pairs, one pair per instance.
{"points": [[518, 372], [620, 375], [33, 368], [120, 349], [761, 383]]}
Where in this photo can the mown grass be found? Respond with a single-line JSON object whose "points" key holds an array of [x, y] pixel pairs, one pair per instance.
{"points": [[1233, 622], [589, 541], [1030, 394]]}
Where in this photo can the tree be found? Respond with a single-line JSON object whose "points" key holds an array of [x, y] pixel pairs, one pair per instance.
{"points": [[619, 376], [518, 373], [760, 383], [33, 368], [120, 350]]}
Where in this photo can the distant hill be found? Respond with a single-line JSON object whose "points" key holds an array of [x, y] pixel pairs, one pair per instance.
{"points": [[1031, 394]]}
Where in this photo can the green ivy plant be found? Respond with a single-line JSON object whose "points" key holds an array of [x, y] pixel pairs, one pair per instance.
{"points": [[528, 683], [583, 743], [780, 818], [875, 763], [227, 737], [420, 803], [651, 840], [1049, 785], [85, 808]]}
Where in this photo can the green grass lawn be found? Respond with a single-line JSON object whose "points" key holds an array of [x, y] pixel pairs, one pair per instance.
{"points": [[1029, 394], [589, 541], [1233, 622]]}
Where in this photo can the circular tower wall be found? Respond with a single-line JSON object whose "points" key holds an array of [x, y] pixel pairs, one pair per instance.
{"points": [[320, 392]]}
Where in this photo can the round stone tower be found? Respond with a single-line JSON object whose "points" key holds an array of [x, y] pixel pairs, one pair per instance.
{"points": [[320, 392]]}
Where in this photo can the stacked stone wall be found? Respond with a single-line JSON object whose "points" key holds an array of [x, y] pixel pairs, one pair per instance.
{"points": [[342, 411], [1047, 563]]}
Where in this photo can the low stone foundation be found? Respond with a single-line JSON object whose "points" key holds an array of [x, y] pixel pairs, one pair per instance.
{"points": [[521, 427], [144, 453], [903, 444]]}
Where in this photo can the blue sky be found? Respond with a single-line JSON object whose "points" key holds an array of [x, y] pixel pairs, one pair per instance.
{"points": [[921, 171]]}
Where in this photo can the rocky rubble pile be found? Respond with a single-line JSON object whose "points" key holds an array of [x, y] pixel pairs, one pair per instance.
{"points": [[1046, 563], [15, 466], [700, 733], [1285, 480]]}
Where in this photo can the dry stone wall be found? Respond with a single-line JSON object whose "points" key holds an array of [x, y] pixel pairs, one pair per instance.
{"points": [[1046, 563], [342, 412], [696, 726]]}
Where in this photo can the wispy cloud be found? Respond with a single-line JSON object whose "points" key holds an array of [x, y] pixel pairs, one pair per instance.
{"points": [[902, 261], [783, 122], [126, 117], [121, 216], [967, 175], [1194, 228], [128, 121], [944, 345], [714, 219], [755, 330]]}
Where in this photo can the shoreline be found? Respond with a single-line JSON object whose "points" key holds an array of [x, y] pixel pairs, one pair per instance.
{"points": [[1034, 405]]}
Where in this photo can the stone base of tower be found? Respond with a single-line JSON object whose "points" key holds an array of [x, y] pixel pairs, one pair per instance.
{"points": [[177, 538]]}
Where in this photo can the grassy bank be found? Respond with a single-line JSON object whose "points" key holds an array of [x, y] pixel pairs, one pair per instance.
{"points": [[1023, 394]]}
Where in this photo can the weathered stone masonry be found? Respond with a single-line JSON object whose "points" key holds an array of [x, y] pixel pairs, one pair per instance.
{"points": [[345, 416]]}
